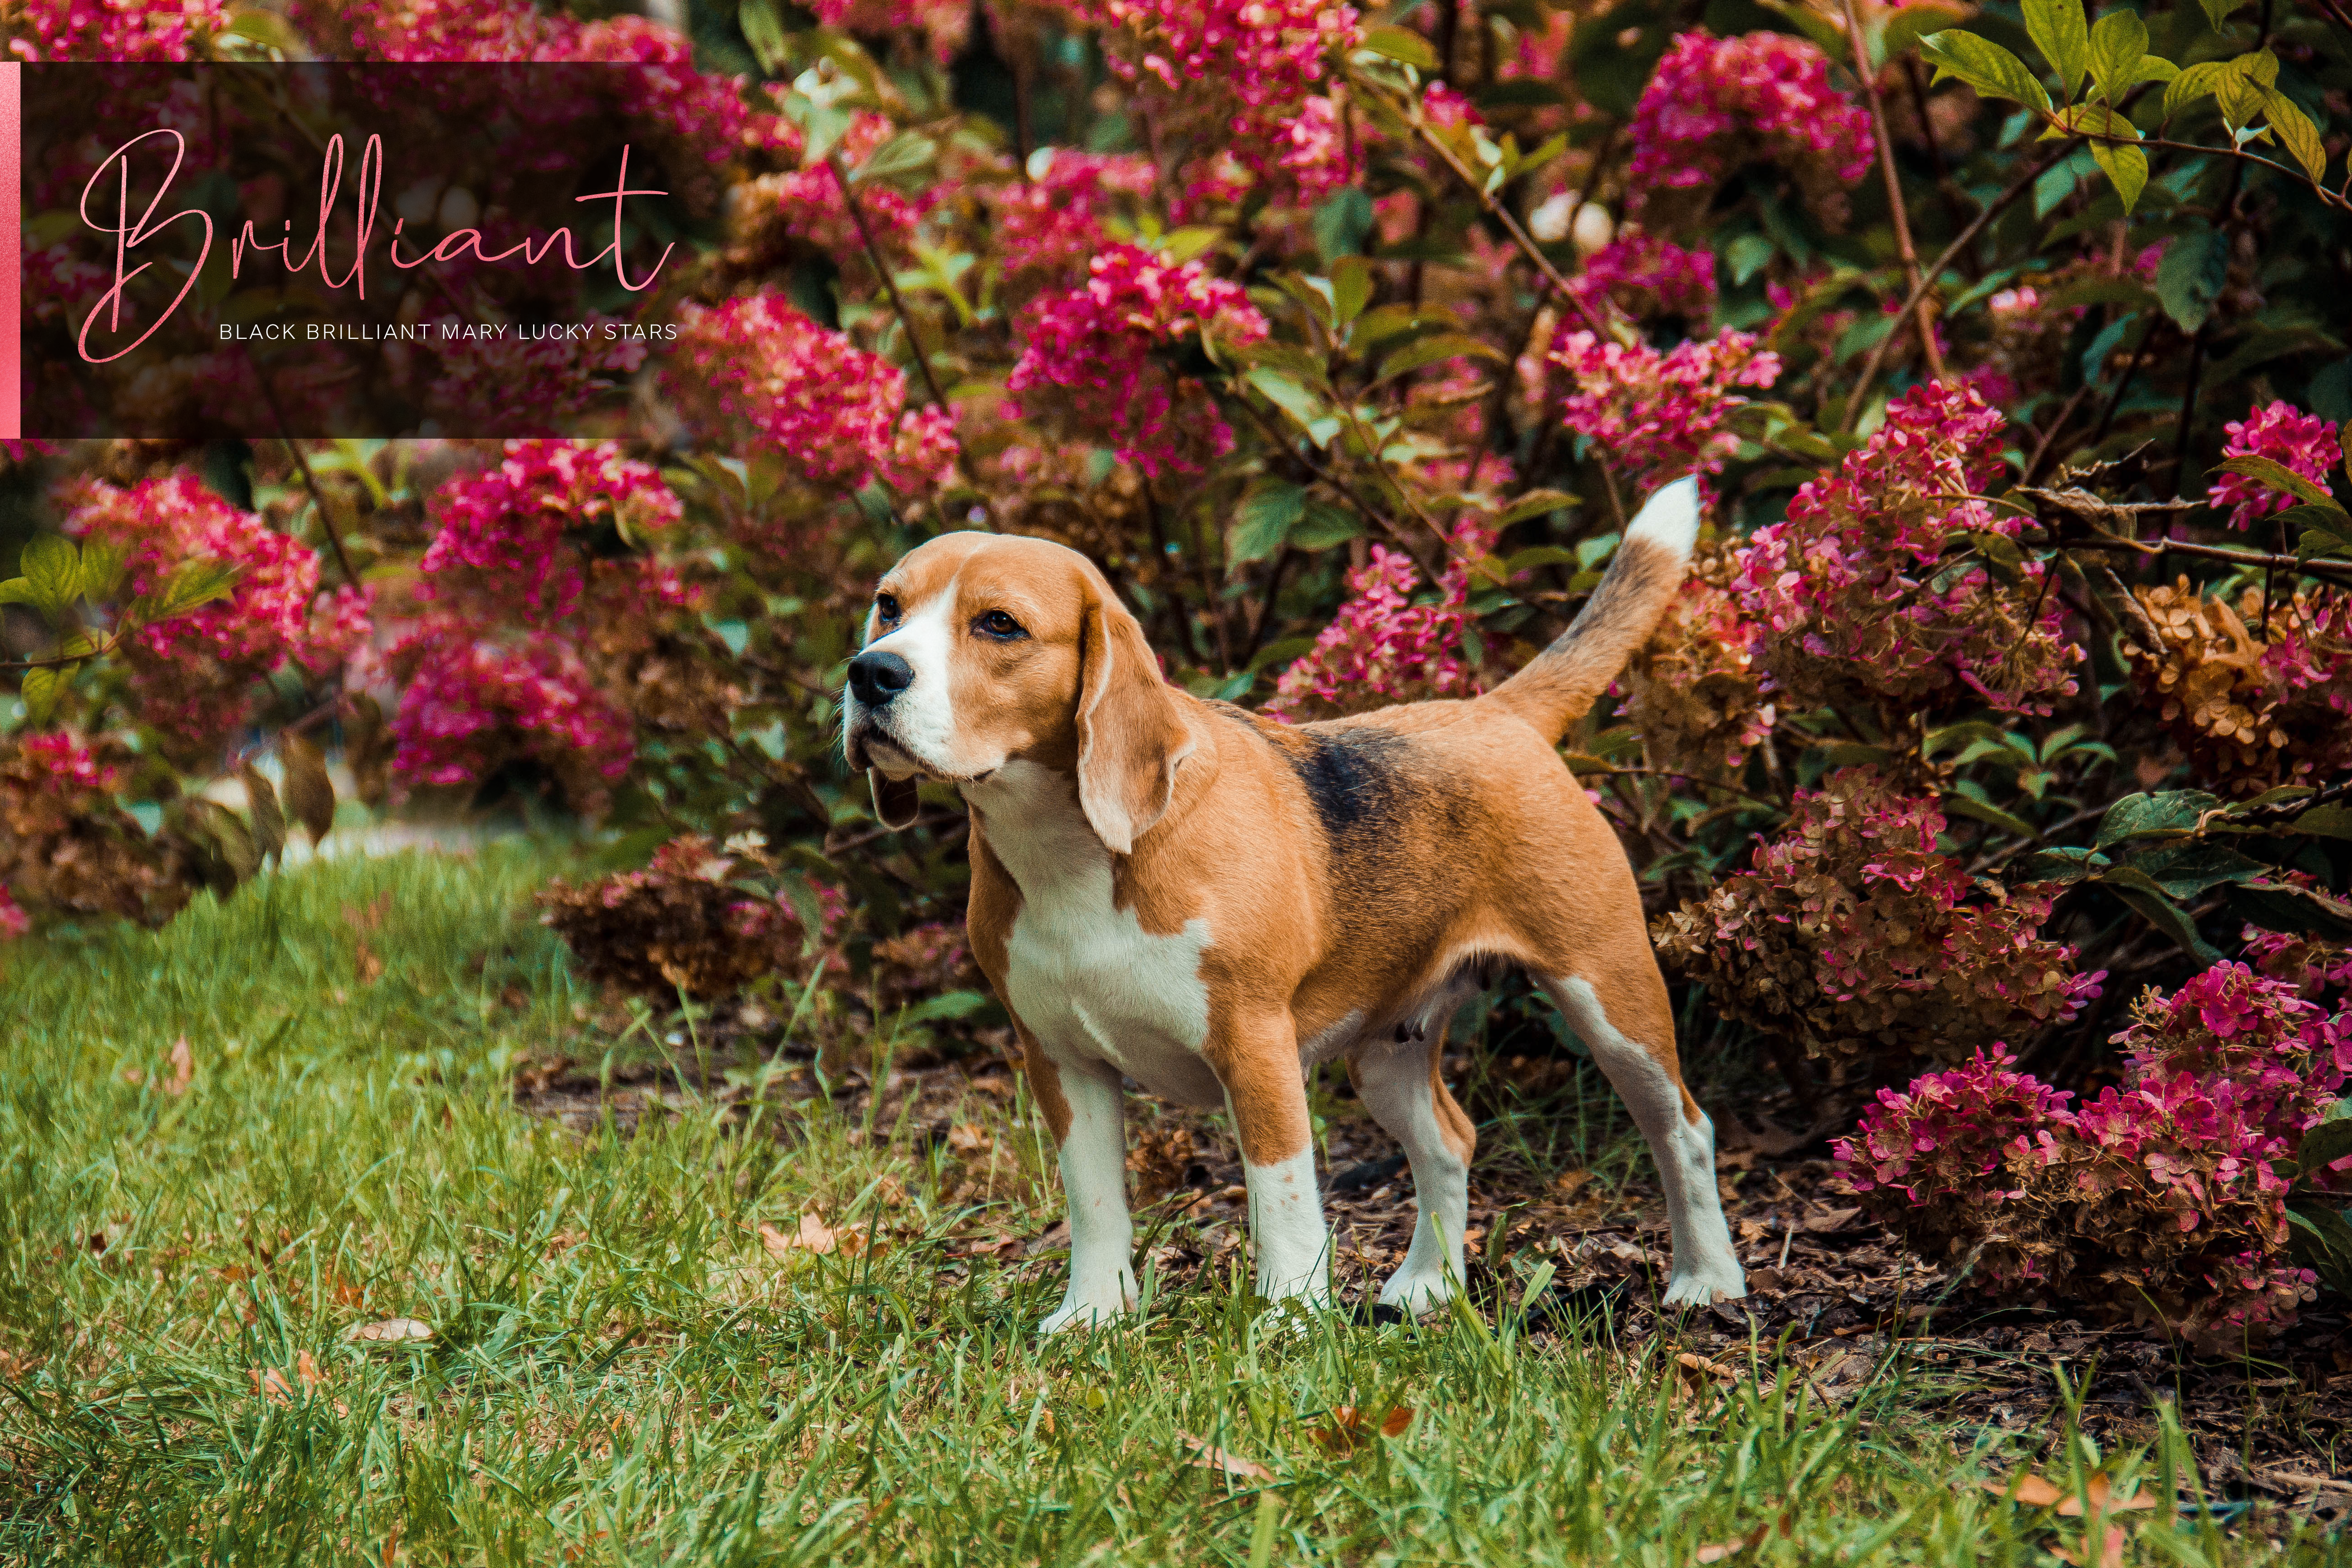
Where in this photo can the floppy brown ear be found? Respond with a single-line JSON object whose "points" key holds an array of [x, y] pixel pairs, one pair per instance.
{"points": [[1130, 732], [894, 799]]}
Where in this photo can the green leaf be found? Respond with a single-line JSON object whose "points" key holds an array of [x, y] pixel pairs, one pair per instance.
{"points": [[2277, 476], [2127, 166], [1264, 521], [2217, 12], [2143, 816], [2324, 1145], [2059, 31], [1986, 67], [2147, 899], [1748, 255], [102, 564], [52, 569], [1435, 351], [763, 29], [2318, 541], [1983, 811], [41, 688], [1287, 394], [2326, 822], [1324, 526], [2118, 41], [1534, 503], [198, 583], [15, 591], [2298, 911], [2196, 82], [2295, 130], [2062, 866], [2322, 1242], [2240, 88], [2185, 871], [902, 154], [947, 1004], [1401, 45], [1343, 221], [2196, 267], [269, 29]]}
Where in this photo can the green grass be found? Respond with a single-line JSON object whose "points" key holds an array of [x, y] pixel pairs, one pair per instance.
{"points": [[620, 1373]]}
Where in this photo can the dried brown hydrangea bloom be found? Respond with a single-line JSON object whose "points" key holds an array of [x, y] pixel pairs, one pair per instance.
{"points": [[2254, 706], [66, 849], [1694, 693], [692, 921]]}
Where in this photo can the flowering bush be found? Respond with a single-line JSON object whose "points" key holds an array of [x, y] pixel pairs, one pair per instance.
{"points": [[1715, 103], [1869, 596], [697, 920], [2158, 1199], [1852, 934], [2299, 442]]}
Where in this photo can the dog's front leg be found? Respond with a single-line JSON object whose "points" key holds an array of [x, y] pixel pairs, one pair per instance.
{"points": [[1093, 1133], [1266, 1098]]}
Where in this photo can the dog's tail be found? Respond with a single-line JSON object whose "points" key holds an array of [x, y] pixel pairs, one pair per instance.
{"points": [[1559, 686]]}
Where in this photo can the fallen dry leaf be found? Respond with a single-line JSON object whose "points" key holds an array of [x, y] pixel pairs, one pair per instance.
{"points": [[184, 1068], [1698, 1369], [1349, 1428], [271, 1384], [1207, 1457], [2104, 1501], [813, 1235], [134, 1076], [1832, 1219], [969, 1138], [1716, 1552], [2029, 1490], [364, 962], [2109, 1554], [388, 1331], [306, 1368]]}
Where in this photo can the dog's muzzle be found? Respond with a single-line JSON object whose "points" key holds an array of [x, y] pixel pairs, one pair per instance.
{"points": [[876, 676]]}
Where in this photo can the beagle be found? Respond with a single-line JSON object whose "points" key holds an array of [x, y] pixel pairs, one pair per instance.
{"points": [[1210, 902]]}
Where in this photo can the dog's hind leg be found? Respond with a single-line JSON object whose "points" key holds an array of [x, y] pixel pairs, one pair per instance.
{"points": [[1399, 1084], [1621, 1012]]}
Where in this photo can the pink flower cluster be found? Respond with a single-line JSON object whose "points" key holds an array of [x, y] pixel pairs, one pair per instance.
{"points": [[1049, 227], [120, 30], [1864, 591], [1091, 350], [527, 581], [474, 703], [1660, 415], [65, 765], [1316, 154], [1247, 62], [2302, 443], [1646, 276], [1715, 103], [512, 519], [1383, 647], [810, 202], [194, 676], [2161, 1192], [1852, 933], [752, 372], [943, 24]]}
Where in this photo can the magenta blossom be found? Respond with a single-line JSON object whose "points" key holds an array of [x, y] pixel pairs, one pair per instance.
{"points": [[2302, 443]]}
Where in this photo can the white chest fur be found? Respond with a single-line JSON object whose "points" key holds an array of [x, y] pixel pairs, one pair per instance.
{"points": [[1083, 975]]}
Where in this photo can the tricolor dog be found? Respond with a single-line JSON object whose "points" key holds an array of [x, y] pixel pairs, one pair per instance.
{"points": [[1209, 903]]}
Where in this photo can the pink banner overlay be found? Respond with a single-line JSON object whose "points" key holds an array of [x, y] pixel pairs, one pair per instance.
{"points": [[12, 251], [221, 251]]}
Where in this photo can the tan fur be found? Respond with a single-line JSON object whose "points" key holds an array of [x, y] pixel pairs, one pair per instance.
{"points": [[1480, 844]]}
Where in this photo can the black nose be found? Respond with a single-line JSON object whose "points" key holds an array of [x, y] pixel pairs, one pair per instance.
{"points": [[876, 676]]}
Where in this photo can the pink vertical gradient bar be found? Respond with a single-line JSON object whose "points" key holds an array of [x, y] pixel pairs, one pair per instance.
{"points": [[12, 249]]}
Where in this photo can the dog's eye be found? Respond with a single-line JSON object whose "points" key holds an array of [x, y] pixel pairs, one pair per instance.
{"points": [[997, 624], [885, 607]]}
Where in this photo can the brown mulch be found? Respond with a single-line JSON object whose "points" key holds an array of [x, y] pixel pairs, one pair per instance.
{"points": [[1828, 1286]]}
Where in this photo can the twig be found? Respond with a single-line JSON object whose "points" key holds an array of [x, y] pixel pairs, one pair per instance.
{"points": [[1924, 319], [1501, 213], [2107, 414], [1686, 778], [2216, 552], [1966, 236], [326, 517], [906, 319]]}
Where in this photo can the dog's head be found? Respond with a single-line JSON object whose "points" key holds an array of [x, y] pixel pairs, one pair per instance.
{"points": [[984, 649]]}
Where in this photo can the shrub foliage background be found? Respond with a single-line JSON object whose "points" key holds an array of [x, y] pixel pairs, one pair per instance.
{"points": [[2001, 729]]}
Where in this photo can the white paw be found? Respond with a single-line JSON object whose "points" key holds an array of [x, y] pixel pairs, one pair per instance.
{"points": [[1078, 1311], [1705, 1286], [1415, 1291]]}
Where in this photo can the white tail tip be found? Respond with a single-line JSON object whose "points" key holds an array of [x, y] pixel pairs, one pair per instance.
{"points": [[1669, 519]]}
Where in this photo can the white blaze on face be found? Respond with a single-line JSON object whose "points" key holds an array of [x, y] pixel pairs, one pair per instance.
{"points": [[921, 719]]}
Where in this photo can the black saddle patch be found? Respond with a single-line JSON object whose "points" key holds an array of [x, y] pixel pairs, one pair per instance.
{"points": [[1355, 777]]}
